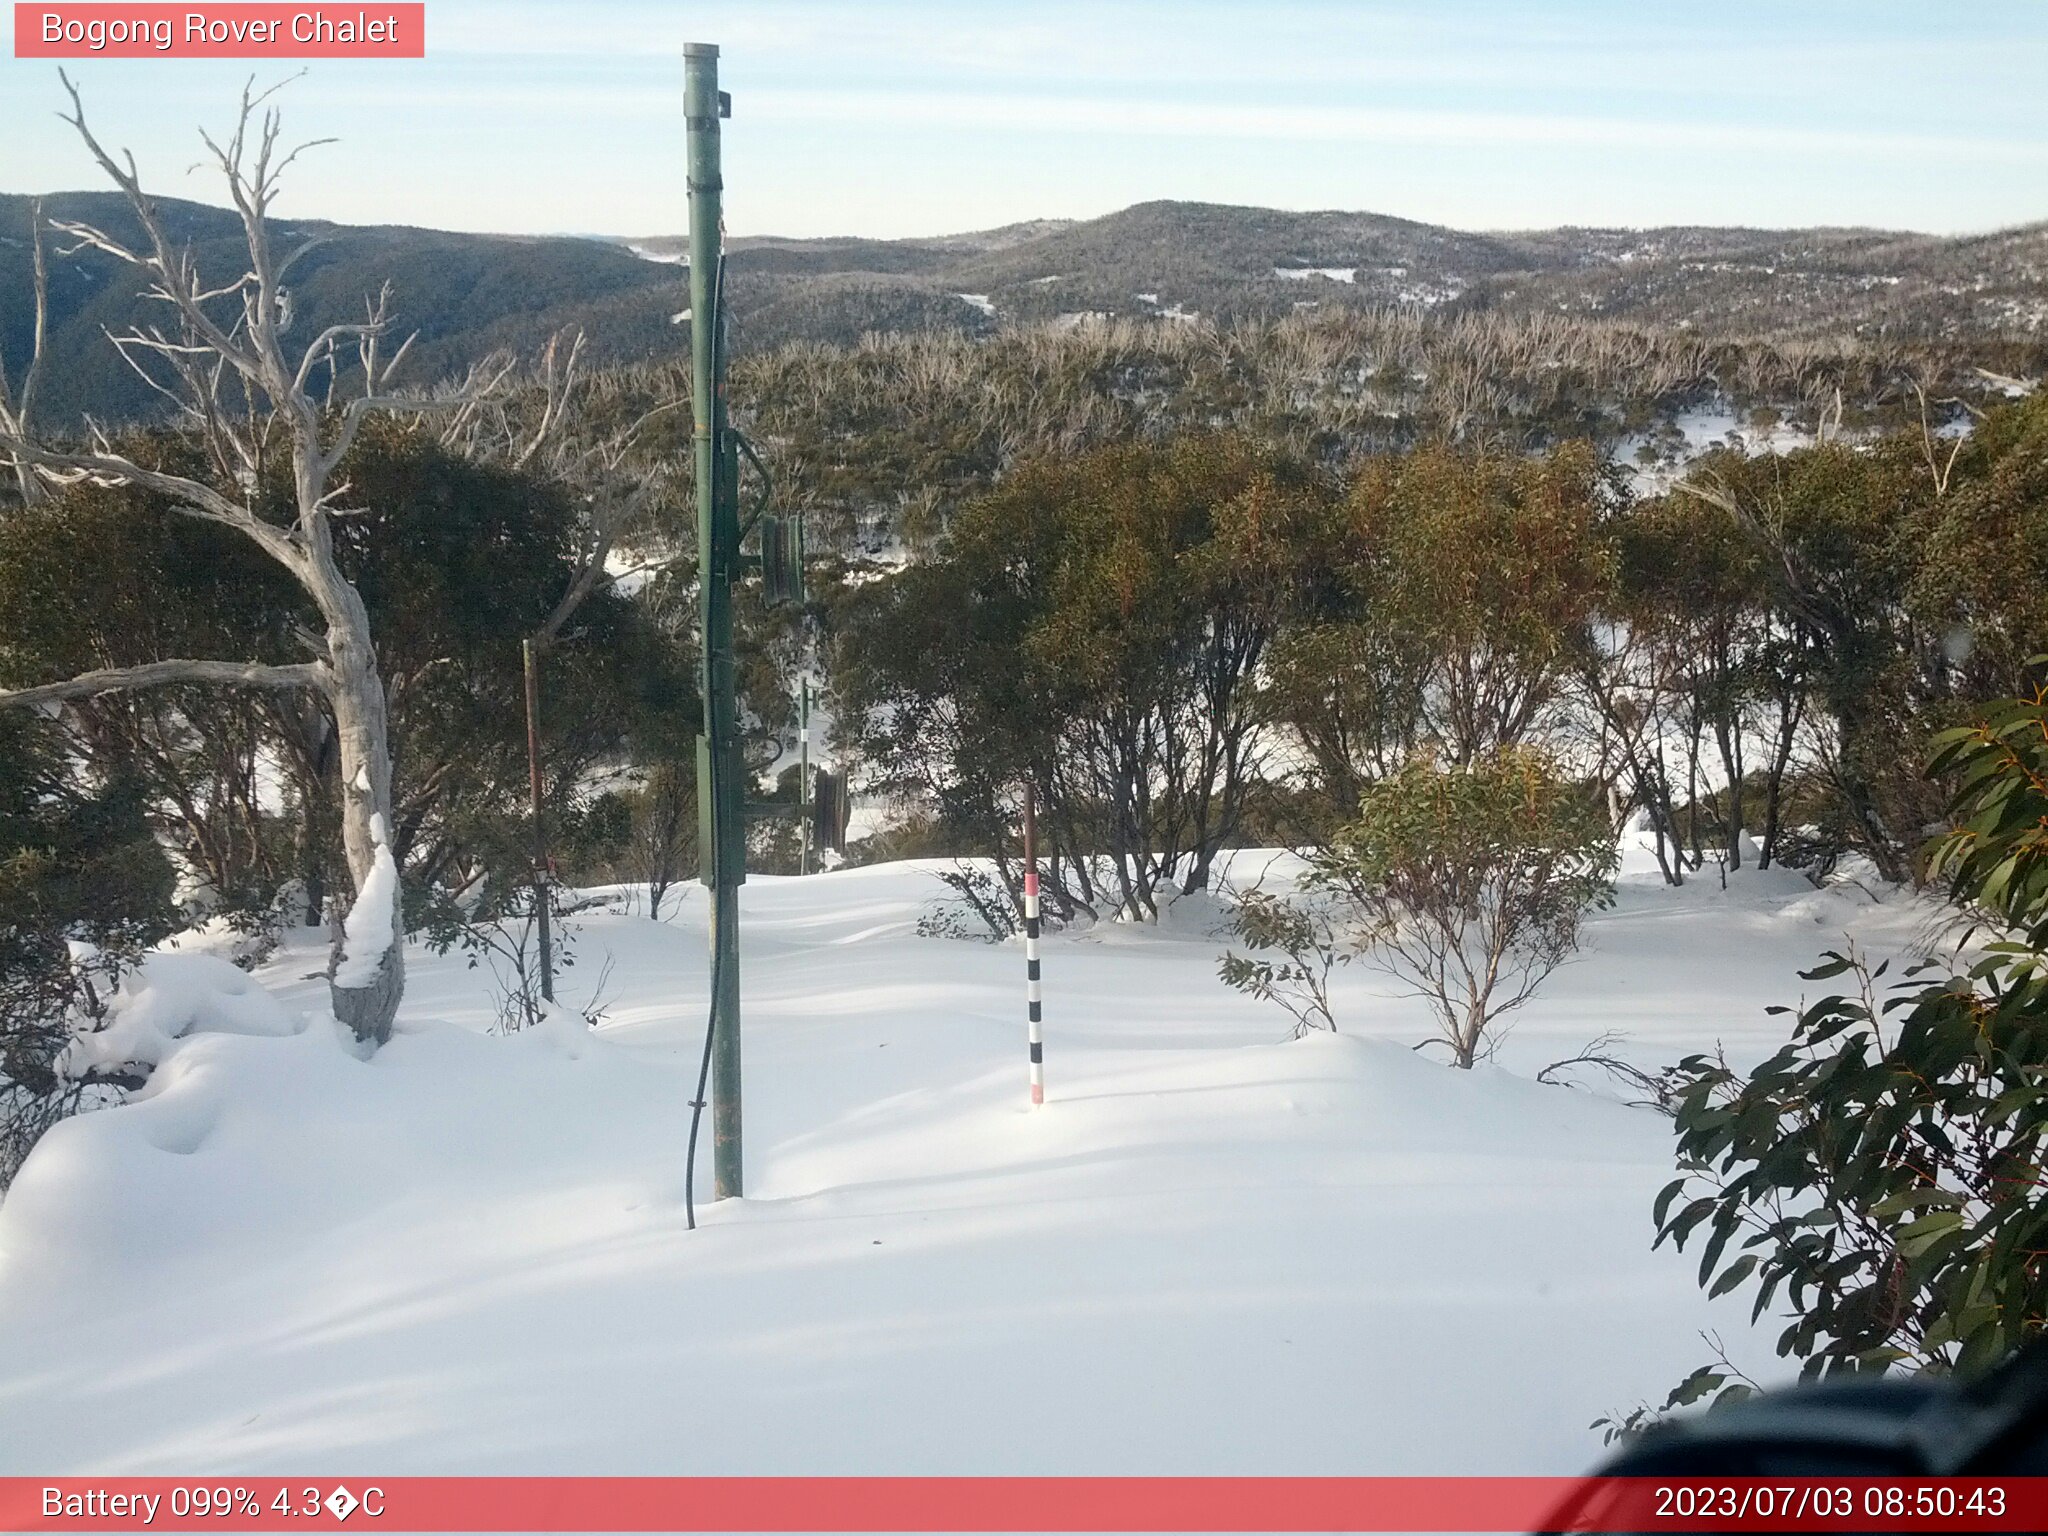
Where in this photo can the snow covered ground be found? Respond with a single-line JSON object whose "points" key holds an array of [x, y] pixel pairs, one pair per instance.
{"points": [[1215, 1250], [1694, 432], [1302, 274]]}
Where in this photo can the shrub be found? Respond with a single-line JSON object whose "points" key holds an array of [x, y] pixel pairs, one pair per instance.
{"points": [[1294, 947], [1466, 882], [77, 867], [1883, 1172], [1471, 882], [980, 907]]}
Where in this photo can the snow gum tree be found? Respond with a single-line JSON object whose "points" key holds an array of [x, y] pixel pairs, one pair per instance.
{"points": [[1837, 531], [1098, 624], [221, 361], [1694, 658], [1458, 591]]}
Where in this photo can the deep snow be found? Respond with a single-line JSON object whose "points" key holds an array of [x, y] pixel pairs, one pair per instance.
{"points": [[1215, 1250]]}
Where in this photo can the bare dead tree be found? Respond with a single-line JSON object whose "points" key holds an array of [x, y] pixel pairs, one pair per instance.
{"points": [[225, 341], [1938, 469], [16, 410], [540, 424], [617, 489]]}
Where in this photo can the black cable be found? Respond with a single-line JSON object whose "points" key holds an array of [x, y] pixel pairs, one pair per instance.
{"points": [[697, 1104], [718, 336]]}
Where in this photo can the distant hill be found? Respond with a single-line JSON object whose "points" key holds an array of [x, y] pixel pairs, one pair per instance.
{"points": [[464, 294], [1230, 263], [468, 294]]}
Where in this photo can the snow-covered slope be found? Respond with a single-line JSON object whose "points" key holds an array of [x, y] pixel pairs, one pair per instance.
{"points": [[1214, 1250]]}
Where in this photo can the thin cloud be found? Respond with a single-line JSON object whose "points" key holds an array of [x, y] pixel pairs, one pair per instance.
{"points": [[544, 114], [1243, 119]]}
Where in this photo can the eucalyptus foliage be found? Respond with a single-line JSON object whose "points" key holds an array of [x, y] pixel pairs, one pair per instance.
{"points": [[1882, 1174]]}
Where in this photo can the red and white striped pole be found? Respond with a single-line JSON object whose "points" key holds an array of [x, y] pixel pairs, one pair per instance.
{"points": [[1031, 941]]}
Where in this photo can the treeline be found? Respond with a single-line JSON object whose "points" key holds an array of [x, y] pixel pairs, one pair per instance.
{"points": [[1250, 621], [882, 442], [1215, 641], [1190, 637]]}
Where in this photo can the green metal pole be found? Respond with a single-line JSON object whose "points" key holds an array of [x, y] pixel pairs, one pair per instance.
{"points": [[721, 789]]}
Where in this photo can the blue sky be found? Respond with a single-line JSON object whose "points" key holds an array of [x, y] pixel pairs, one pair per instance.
{"points": [[897, 117]]}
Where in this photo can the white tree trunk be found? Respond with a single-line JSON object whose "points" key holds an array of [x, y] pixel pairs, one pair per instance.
{"points": [[367, 970], [365, 997]]}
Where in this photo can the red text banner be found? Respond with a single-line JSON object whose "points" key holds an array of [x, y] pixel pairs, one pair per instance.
{"points": [[1023, 1504], [102, 31]]}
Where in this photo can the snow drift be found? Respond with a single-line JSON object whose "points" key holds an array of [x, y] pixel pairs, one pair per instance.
{"points": [[1214, 1250]]}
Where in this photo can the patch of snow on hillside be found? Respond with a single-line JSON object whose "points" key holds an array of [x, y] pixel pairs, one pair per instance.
{"points": [[1690, 433], [2010, 388], [980, 301], [1428, 295], [630, 570], [1334, 274], [1172, 311], [677, 258]]}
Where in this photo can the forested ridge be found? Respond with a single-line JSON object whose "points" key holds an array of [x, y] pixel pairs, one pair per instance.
{"points": [[1984, 297]]}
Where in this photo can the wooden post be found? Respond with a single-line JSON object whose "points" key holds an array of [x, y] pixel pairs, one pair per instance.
{"points": [[540, 836]]}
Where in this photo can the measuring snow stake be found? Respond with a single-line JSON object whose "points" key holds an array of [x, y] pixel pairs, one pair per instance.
{"points": [[1031, 942]]}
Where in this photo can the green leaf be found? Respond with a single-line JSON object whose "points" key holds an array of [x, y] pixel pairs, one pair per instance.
{"points": [[1696, 1386], [1733, 1276], [1665, 1196]]}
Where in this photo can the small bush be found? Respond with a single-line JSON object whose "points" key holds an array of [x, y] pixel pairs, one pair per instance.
{"points": [[980, 908], [1883, 1173], [501, 937], [1294, 947], [1469, 883], [78, 867]]}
